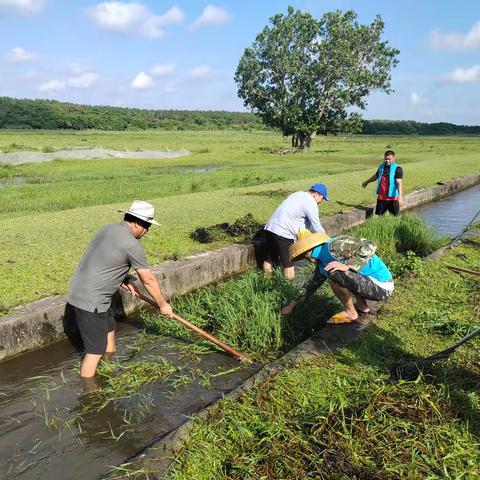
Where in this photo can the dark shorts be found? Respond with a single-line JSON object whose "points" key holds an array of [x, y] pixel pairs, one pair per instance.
{"points": [[276, 249], [359, 285], [391, 206], [93, 328]]}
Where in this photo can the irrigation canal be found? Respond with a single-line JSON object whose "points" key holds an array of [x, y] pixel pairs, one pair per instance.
{"points": [[45, 434]]}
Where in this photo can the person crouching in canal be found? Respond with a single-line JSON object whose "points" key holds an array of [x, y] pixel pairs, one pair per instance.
{"points": [[102, 270], [350, 267]]}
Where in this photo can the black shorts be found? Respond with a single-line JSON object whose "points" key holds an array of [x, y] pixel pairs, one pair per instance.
{"points": [[93, 327], [391, 206], [276, 249], [360, 285]]}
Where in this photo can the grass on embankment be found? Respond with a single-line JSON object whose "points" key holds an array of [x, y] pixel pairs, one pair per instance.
{"points": [[339, 415], [43, 238]]}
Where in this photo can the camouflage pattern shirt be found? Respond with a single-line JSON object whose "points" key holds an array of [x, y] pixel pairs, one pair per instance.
{"points": [[354, 252]]}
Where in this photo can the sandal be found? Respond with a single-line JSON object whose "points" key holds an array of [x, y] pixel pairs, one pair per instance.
{"points": [[361, 312], [339, 319]]}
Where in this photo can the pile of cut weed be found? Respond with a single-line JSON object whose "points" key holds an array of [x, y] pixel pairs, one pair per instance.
{"points": [[244, 227], [245, 313], [401, 240]]}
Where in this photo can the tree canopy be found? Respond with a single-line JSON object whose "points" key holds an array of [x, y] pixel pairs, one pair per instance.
{"points": [[304, 75]]}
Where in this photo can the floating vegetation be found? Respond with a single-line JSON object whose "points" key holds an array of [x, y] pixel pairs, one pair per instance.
{"points": [[126, 379], [245, 227]]}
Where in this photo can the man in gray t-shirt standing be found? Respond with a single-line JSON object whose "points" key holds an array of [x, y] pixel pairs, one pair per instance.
{"points": [[102, 270]]}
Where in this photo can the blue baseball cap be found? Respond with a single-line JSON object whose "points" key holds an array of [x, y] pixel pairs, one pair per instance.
{"points": [[320, 188]]}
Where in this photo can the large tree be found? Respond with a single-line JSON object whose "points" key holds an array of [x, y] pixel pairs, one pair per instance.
{"points": [[305, 76]]}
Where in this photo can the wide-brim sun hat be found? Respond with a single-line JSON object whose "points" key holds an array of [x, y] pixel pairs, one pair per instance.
{"points": [[306, 241], [142, 210]]}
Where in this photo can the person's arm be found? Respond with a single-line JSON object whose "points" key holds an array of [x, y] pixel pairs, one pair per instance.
{"points": [[400, 190], [313, 220], [370, 180], [317, 280], [150, 283]]}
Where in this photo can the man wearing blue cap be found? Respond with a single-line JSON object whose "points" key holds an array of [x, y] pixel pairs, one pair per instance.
{"points": [[297, 212]]}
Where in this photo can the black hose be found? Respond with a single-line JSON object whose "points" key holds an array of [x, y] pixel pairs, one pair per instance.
{"points": [[410, 371], [452, 242]]}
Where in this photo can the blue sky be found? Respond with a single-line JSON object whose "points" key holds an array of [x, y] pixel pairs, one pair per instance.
{"points": [[183, 55]]}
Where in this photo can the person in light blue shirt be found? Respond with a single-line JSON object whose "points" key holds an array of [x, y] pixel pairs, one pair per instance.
{"points": [[350, 267], [297, 212]]}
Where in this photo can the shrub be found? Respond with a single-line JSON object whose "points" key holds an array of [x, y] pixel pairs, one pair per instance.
{"points": [[400, 240]]}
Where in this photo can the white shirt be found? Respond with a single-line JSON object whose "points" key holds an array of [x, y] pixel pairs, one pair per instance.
{"points": [[298, 211]]}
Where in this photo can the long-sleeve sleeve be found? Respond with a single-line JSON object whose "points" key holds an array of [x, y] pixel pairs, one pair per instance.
{"points": [[310, 287], [313, 220]]}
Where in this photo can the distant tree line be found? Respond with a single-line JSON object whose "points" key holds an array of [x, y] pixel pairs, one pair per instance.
{"points": [[409, 127], [27, 114], [54, 115]]}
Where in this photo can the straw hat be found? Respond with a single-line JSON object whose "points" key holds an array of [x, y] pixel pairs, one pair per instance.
{"points": [[142, 210], [306, 241]]}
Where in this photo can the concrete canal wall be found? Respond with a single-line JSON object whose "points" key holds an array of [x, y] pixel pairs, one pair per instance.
{"points": [[40, 323]]}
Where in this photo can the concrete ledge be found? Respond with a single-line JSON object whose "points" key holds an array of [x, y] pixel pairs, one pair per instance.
{"points": [[39, 323]]}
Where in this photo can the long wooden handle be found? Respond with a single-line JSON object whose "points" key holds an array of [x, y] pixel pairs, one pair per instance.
{"points": [[203, 333], [461, 269]]}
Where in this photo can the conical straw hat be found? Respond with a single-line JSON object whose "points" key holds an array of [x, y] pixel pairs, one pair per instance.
{"points": [[306, 241]]}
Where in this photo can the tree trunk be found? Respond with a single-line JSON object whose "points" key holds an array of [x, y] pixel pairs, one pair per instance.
{"points": [[305, 140]]}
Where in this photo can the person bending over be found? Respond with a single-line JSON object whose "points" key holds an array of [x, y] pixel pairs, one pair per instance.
{"points": [[298, 211]]}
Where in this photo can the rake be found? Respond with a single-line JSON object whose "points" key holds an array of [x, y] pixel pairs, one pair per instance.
{"points": [[234, 353]]}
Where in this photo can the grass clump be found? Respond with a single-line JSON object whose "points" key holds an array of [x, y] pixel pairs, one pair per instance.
{"points": [[401, 241], [244, 313]]}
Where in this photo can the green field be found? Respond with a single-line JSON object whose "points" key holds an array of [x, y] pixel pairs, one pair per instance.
{"points": [[49, 212]]}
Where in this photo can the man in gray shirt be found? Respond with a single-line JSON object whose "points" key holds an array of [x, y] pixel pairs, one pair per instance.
{"points": [[102, 270], [296, 212]]}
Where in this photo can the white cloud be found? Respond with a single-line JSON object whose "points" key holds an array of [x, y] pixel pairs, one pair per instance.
{"points": [[163, 70], [455, 41], [200, 73], [20, 55], [142, 81], [133, 19], [82, 80], [416, 99], [52, 86], [211, 15], [463, 75], [22, 7]]}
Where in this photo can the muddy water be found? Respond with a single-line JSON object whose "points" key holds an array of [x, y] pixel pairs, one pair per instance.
{"points": [[40, 392], [450, 215]]}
